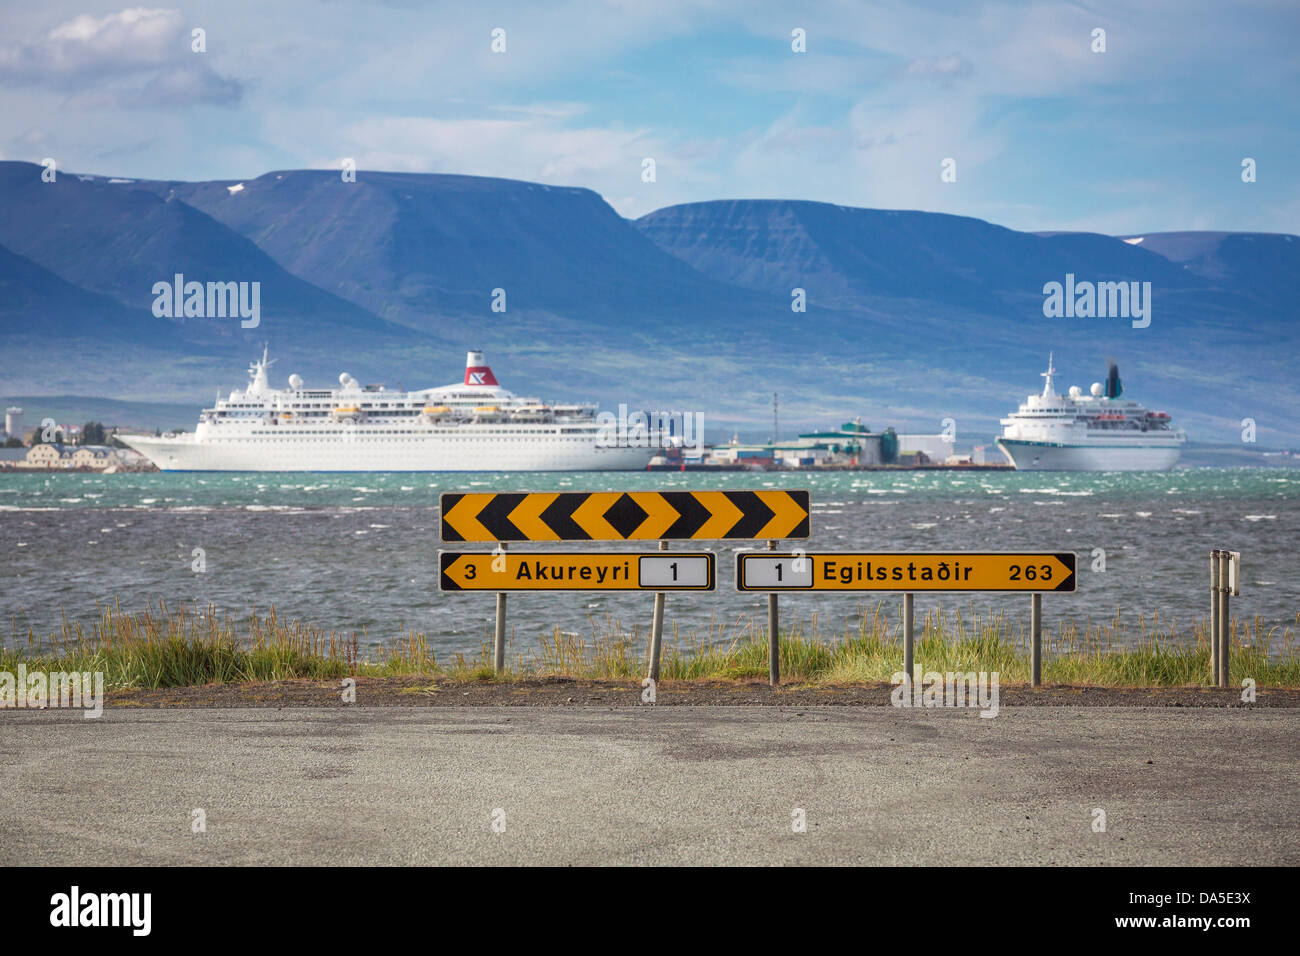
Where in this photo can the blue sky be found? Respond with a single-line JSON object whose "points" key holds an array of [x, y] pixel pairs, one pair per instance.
{"points": [[1046, 134]]}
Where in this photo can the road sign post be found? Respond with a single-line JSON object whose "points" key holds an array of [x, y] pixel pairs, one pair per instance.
{"points": [[1036, 630], [1214, 617], [1231, 589], [1227, 587], [906, 571], [909, 572], [624, 516], [1225, 619], [657, 629], [909, 662], [575, 571], [610, 516], [499, 645], [773, 635]]}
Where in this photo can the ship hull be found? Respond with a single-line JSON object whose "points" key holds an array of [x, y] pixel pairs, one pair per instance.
{"points": [[1046, 456], [376, 454]]}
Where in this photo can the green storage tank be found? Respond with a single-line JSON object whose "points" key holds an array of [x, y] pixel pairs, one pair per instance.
{"points": [[889, 446]]}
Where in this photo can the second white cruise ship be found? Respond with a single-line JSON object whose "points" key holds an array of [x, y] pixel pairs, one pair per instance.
{"points": [[1099, 431], [475, 425]]}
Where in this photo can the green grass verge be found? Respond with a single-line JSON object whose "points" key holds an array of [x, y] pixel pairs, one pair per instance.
{"points": [[171, 646]]}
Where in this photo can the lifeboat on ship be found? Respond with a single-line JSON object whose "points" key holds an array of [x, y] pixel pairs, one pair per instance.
{"points": [[530, 413]]}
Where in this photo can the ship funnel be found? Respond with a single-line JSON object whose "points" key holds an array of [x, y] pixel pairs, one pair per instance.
{"points": [[476, 370], [1114, 388]]}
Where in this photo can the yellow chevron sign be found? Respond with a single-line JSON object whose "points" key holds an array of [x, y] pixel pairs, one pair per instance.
{"points": [[624, 515], [951, 571], [576, 571]]}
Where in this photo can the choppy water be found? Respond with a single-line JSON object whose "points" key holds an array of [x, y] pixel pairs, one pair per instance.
{"points": [[355, 552]]}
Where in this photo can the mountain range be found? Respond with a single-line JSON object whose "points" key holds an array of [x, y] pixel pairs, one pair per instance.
{"points": [[908, 317]]}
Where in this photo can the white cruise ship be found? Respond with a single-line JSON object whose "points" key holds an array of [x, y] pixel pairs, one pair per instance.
{"points": [[475, 425], [1099, 431]]}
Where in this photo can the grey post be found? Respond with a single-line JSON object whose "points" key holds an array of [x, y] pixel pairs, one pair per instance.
{"points": [[1214, 618], [1225, 618], [499, 644], [1036, 626], [657, 629], [909, 663], [773, 634]]}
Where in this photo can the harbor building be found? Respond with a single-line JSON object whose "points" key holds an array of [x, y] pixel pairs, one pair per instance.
{"points": [[851, 444], [54, 455], [93, 456], [50, 455]]}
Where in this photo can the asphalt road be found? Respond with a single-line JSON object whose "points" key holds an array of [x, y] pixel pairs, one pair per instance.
{"points": [[699, 785]]}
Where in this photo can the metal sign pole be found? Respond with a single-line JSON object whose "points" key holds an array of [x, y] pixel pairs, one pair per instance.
{"points": [[1214, 618], [499, 645], [657, 629], [1225, 619], [909, 662], [773, 634], [1036, 625]]}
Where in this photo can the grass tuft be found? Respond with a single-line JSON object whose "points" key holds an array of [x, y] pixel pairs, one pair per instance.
{"points": [[172, 646]]}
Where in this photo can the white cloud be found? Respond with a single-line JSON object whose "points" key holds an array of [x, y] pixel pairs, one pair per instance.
{"points": [[545, 110], [126, 42], [1039, 125], [133, 36], [135, 57], [944, 67]]}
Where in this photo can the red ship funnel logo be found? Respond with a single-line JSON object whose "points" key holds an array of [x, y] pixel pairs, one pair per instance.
{"points": [[476, 373]]}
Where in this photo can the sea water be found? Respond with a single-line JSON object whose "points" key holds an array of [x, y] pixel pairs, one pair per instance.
{"points": [[358, 552]]}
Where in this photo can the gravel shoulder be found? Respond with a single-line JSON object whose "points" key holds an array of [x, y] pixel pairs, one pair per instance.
{"points": [[625, 785], [570, 692]]}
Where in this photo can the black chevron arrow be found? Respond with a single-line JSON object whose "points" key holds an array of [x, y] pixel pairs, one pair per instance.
{"points": [[624, 515], [559, 515], [496, 517], [448, 501], [755, 514], [693, 514], [1067, 558], [445, 560]]}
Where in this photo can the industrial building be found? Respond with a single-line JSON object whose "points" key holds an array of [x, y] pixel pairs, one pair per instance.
{"points": [[850, 444], [58, 455], [13, 423]]}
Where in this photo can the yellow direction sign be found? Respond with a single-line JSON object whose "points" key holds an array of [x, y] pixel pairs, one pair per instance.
{"points": [[624, 516], [905, 571], [576, 571]]}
